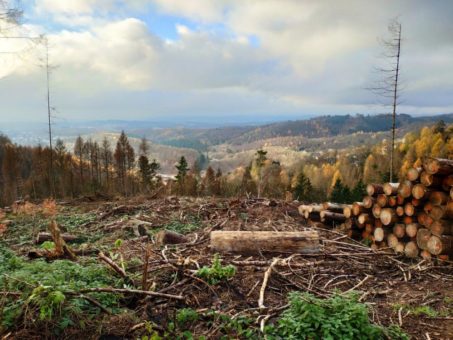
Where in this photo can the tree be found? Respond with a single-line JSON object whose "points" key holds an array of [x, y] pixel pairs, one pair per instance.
{"points": [[143, 148], [124, 160], [340, 193], [78, 151], [358, 192], [183, 169], [107, 158], [209, 182], [388, 86], [260, 159], [303, 189]]}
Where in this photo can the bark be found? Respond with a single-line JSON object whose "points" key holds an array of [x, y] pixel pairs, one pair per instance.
{"points": [[170, 237], [374, 189], [249, 242]]}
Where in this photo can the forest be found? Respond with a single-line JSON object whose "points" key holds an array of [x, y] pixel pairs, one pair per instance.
{"points": [[92, 168]]}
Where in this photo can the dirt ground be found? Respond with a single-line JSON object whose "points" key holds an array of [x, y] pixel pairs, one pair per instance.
{"points": [[392, 286]]}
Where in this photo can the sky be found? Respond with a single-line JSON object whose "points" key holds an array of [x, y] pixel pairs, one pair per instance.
{"points": [[222, 60]]}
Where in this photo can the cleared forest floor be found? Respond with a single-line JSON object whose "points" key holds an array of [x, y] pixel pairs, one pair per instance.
{"points": [[414, 294]]}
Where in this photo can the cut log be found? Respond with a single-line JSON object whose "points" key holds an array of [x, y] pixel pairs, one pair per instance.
{"points": [[438, 197], [400, 199], [409, 209], [419, 191], [442, 227], [43, 237], [369, 228], [388, 216], [335, 207], [376, 210], [423, 236], [405, 189], [437, 212], [449, 209], [424, 219], [399, 211], [411, 249], [378, 223], [368, 202], [329, 216], [425, 255], [411, 229], [429, 180], [170, 237], [363, 218], [392, 240], [374, 189], [255, 242], [413, 173], [347, 211], [399, 230], [380, 234], [357, 208], [392, 201], [382, 200], [428, 207], [391, 188], [442, 245], [399, 248], [416, 202], [447, 183], [438, 166], [408, 219]]}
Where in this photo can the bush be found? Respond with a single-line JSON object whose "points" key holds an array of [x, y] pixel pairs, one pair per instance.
{"points": [[339, 317], [216, 273]]}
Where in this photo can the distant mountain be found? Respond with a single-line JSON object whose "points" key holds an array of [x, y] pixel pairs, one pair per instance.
{"points": [[318, 127]]}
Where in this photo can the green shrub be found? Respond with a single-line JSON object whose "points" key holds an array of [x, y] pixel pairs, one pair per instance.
{"points": [[186, 316], [339, 317], [49, 291], [216, 273]]}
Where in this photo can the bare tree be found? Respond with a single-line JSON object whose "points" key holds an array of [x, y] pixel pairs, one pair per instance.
{"points": [[388, 86], [10, 15]]}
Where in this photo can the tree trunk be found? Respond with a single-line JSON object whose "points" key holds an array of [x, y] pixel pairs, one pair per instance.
{"points": [[405, 188], [413, 173], [250, 242], [423, 236], [411, 249], [411, 229], [374, 189], [43, 237], [441, 227], [388, 216]]}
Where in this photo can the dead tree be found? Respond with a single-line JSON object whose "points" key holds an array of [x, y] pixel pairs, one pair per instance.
{"points": [[388, 86]]}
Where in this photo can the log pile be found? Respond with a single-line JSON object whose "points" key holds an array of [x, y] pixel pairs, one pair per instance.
{"points": [[414, 217]]}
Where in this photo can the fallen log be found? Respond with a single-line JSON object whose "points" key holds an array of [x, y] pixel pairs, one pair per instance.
{"points": [[255, 242], [335, 207], [43, 237], [170, 237], [357, 208], [328, 216], [376, 210], [409, 209], [438, 166], [438, 197], [382, 200], [447, 183], [437, 212], [368, 202], [419, 191]]}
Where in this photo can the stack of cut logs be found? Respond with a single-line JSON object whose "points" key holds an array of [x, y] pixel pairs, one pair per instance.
{"points": [[414, 217]]}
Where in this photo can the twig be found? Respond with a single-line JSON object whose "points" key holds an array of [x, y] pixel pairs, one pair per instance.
{"points": [[96, 303], [131, 291], [267, 274]]}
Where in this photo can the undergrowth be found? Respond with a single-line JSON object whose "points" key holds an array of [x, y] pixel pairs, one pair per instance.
{"points": [[216, 273], [338, 317], [46, 294]]}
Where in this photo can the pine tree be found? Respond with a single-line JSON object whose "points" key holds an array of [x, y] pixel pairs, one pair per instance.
{"points": [[78, 151], [209, 182], [183, 169], [124, 160], [340, 193], [107, 159], [358, 192], [303, 189]]}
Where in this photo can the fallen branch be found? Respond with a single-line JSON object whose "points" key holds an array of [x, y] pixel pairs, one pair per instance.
{"points": [[131, 291], [267, 274]]}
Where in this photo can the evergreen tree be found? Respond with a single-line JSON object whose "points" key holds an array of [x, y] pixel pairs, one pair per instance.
{"points": [[183, 169], [358, 192], [303, 189], [78, 151], [124, 160], [340, 193]]}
